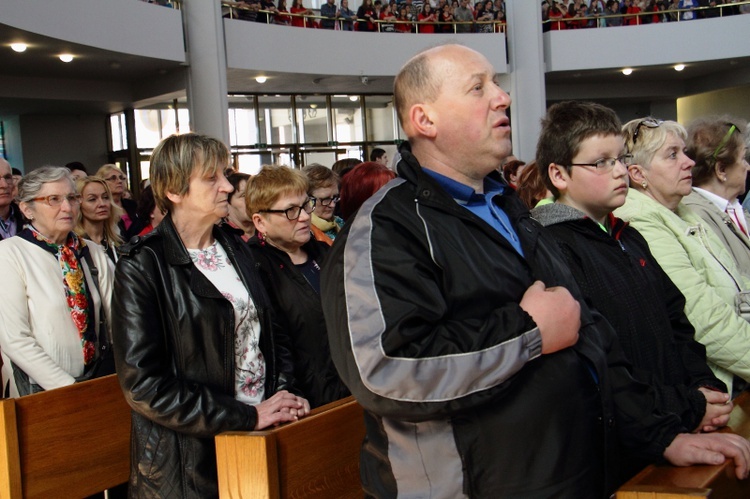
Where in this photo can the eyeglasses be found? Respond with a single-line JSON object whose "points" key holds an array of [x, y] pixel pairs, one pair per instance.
{"points": [[605, 165], [56, 200], [327, 201], [293, 212], [725, 140], [8, 178], [648, 123], [115, 178]]}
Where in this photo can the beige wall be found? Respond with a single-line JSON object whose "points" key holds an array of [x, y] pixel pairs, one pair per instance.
{"points": [[733, 101]]}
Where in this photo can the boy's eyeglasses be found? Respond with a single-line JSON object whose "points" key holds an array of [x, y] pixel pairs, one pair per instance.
{"points": [[605, 165], [648, 123]]}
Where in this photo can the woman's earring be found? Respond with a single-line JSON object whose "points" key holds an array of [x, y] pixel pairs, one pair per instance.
{"points": [[644, 184]]}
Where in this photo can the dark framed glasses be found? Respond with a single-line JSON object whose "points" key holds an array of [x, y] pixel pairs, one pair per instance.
{"points": [[725, 140], [293, 212], [327, 201], [648, 123]]}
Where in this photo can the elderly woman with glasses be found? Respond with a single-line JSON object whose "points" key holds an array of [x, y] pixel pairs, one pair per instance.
{"points": [[193, 329], [690, 253], [290, 262], [324, 188], [128, 208], [717, 145], [55, 294]]}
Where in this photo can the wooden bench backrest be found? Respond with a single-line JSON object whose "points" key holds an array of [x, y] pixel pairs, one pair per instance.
{"points": [[316, 457], [73, 440], [671, 482]]}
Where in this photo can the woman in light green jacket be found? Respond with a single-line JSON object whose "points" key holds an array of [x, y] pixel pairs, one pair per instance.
{"points": [[691, 254]]}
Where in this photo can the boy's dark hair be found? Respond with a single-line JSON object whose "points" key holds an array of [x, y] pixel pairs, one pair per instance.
{"points": [[565, 126]]}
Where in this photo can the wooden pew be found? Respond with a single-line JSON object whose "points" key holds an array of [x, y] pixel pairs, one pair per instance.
{"points": [[716, 482], [315, 457], [68, 442]]}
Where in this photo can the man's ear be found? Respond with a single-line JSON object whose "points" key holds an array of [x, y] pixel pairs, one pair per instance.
{"points": [[559, 176], [420, 116]]}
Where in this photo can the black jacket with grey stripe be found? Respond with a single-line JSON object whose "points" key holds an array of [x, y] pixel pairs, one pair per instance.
{"points": [[425, 329]]}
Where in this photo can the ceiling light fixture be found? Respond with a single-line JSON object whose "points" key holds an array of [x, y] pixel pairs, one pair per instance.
{"points": [[679, 67], [19, 47], [353, 98], [261, 79], [66, 57], [627, 71]]}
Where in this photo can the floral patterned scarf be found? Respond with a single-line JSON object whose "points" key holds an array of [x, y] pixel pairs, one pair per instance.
{"points": [[81, 307]]}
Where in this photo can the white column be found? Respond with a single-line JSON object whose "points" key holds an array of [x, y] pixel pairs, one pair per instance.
{"points": [[207, 68], [526, 64]]}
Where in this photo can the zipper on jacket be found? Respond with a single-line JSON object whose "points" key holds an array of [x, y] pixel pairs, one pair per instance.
{"points": [[705, 243]]}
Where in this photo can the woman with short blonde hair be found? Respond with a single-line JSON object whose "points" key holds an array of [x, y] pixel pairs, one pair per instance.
{"points": [[193, 329]]}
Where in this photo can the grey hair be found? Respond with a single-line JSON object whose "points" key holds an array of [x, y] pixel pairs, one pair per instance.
{"points": [[32, 182], [650, 140]]}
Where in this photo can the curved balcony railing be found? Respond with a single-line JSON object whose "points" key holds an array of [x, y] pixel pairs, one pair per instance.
{"points": [[603, 20], [233, 11]]}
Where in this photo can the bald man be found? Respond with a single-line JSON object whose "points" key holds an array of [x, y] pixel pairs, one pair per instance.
{"points": [[461, 331], [11, 220]]}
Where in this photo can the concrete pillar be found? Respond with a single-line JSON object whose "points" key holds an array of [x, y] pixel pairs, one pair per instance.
{"points": [[526, 64], [207, 68]]}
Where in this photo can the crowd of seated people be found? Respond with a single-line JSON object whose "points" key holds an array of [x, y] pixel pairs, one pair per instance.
{"points": [[261, 242], [69, 316], [559, 14], [407, 16], [484, 16]]}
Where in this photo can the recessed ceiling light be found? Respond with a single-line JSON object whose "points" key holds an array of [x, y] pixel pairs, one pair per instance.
{"points": [[679, 67], [627, 71], [66, 57], [353, 98], [261, 79], [313, 106], [19, 47]]}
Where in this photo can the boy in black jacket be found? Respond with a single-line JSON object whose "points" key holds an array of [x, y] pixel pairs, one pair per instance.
{"points": [[580, 157]]}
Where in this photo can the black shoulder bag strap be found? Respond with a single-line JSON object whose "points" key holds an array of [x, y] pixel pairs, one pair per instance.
{"points": [[104, 365]]}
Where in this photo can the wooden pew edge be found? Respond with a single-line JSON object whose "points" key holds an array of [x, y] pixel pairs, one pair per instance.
{"points": [[311, 418], [640, 487], [10, 458], [248, 461], [650, 492]]}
